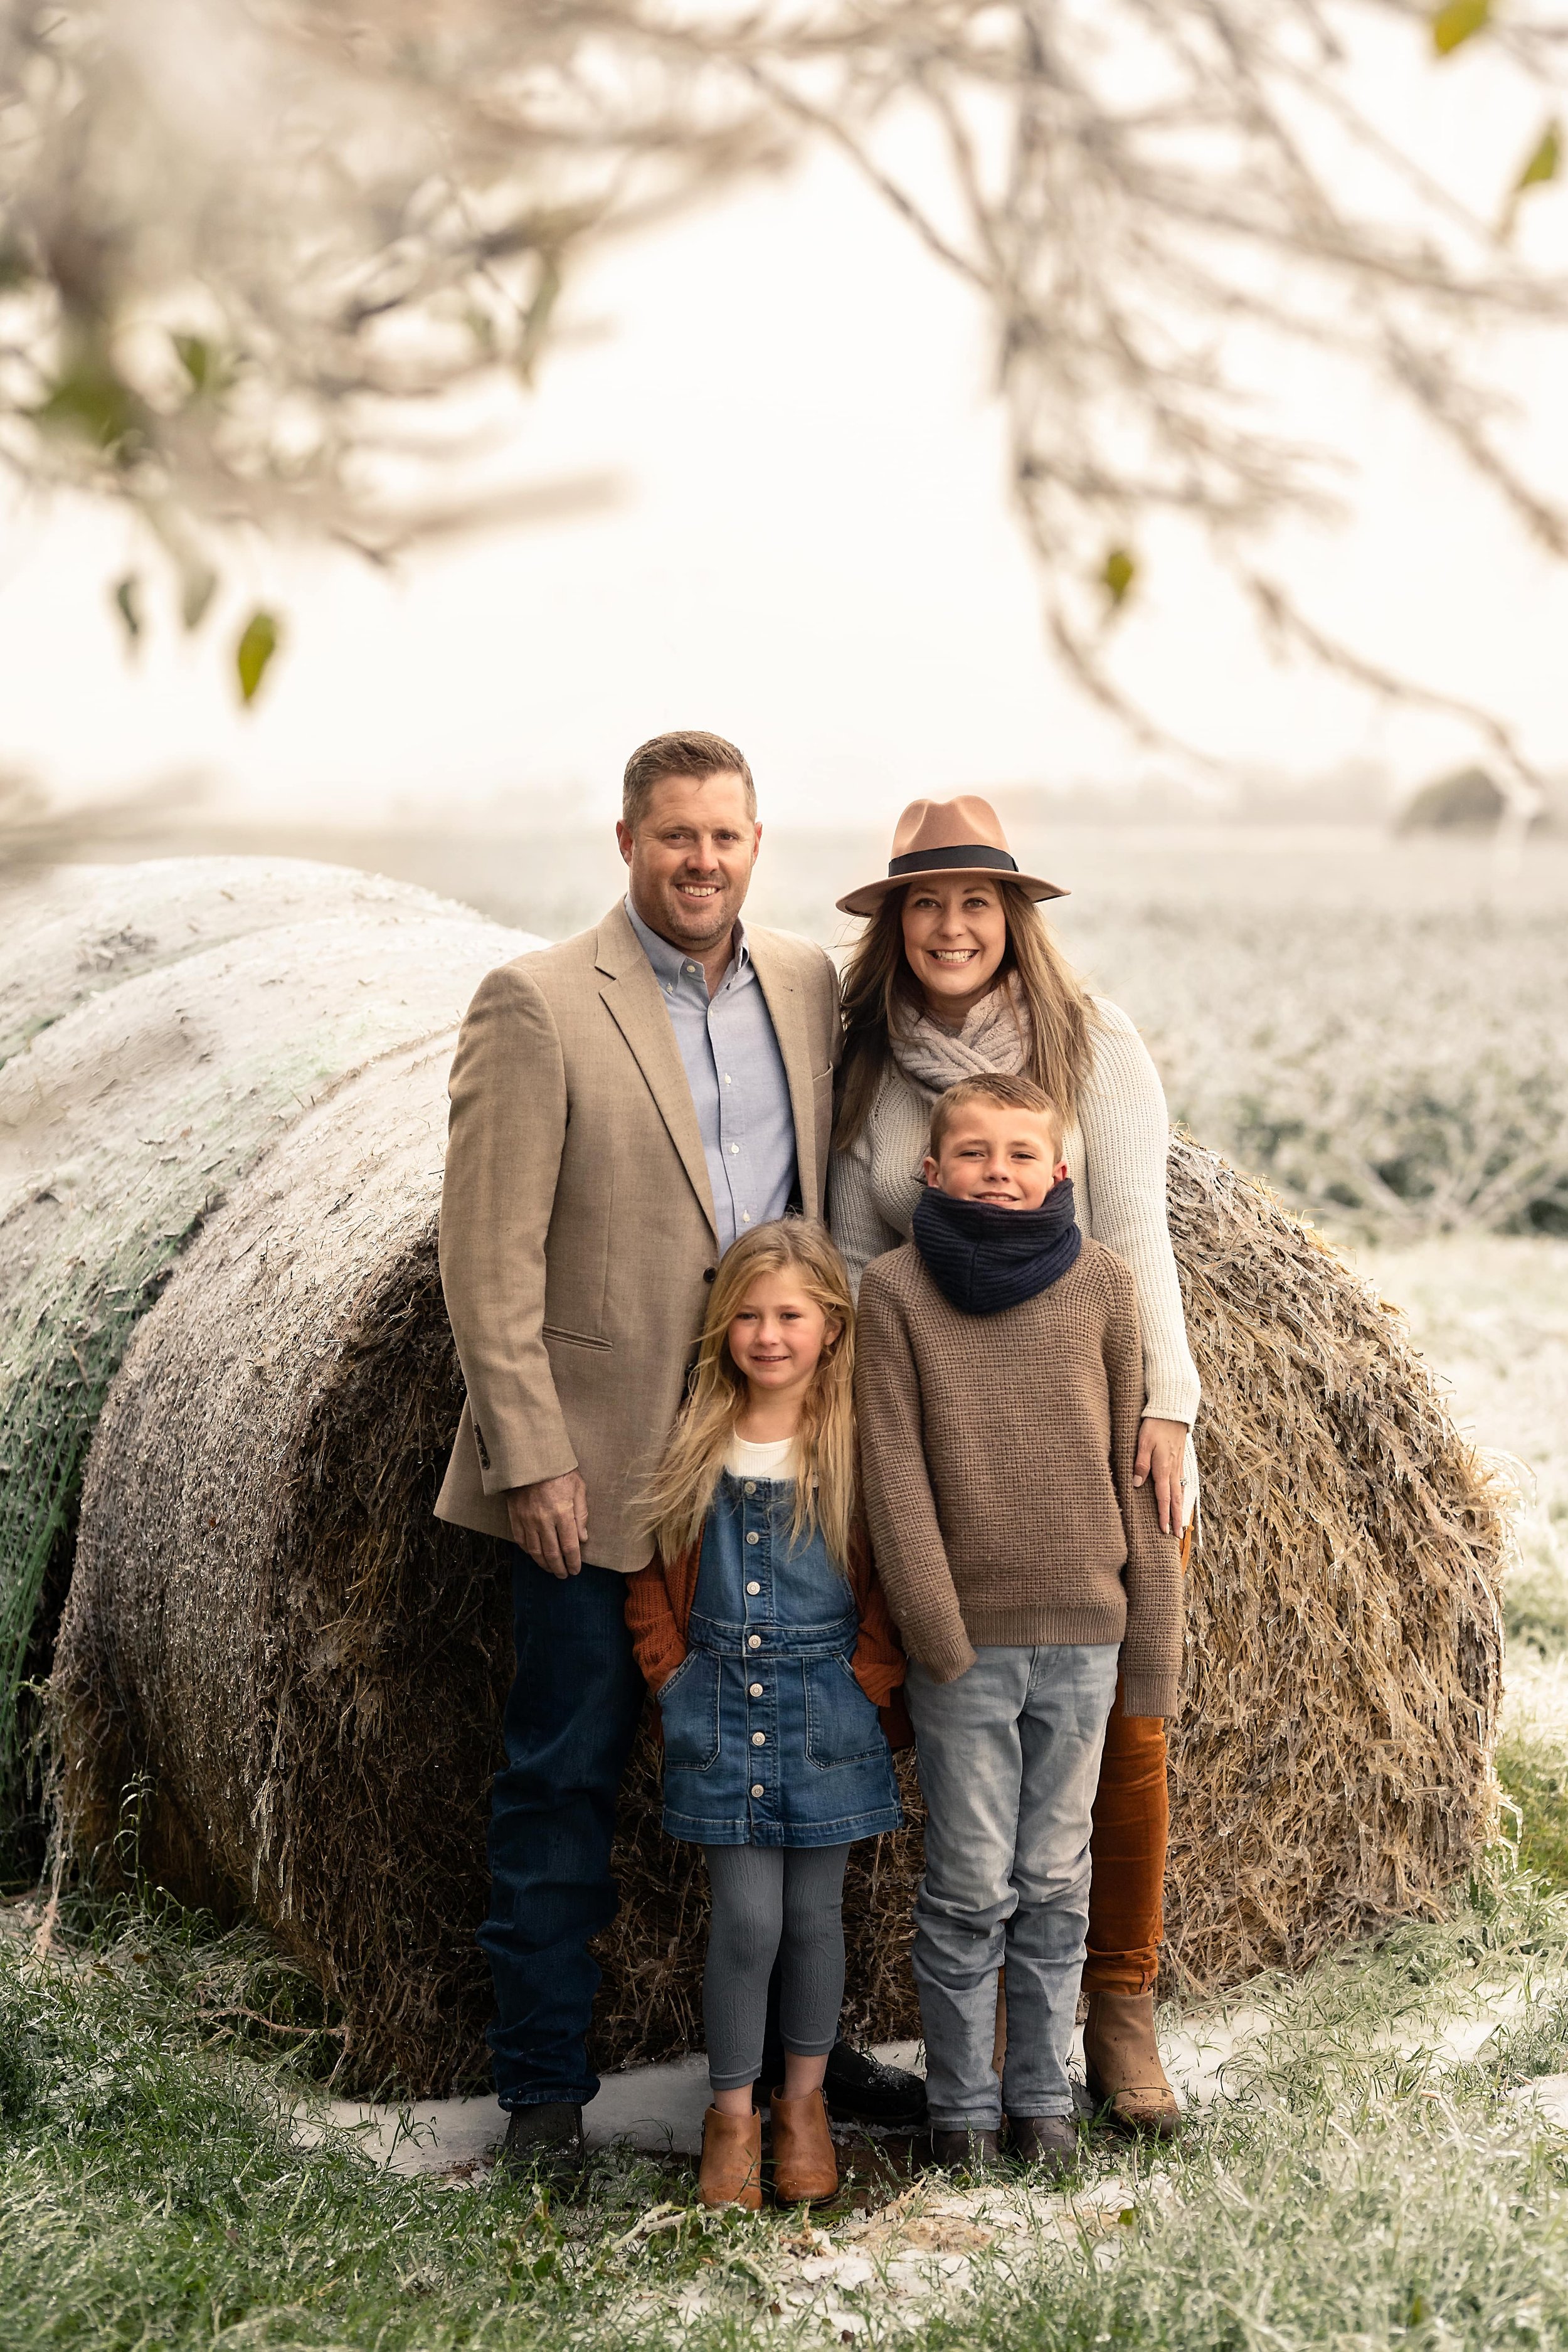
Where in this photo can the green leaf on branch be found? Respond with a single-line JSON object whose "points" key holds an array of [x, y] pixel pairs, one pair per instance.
{"points": [[1546, 162], [1459, 21], [128, 604], [209, 369], [537, 316], [91, 400], [252, 656], [195, 357], [197, 588], [1117, 576]]}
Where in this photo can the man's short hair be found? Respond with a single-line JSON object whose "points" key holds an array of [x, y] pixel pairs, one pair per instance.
{"points": [[1001, 1087], [690, 753]]}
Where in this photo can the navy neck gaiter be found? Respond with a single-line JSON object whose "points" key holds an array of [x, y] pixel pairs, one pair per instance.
{"points": [[984, 1258]]}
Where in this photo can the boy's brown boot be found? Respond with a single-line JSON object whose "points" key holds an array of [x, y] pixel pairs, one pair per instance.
{"points": [[805, 2167], [1122, 2068], [731, 2170], [971, 2150], [1048, 2142]]}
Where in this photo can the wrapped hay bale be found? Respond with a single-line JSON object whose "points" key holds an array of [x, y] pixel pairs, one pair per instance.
{"points": [[160, 1026], [267, 1624]]}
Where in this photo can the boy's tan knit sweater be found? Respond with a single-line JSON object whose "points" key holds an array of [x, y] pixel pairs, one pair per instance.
{"points": [[997, 1455]]}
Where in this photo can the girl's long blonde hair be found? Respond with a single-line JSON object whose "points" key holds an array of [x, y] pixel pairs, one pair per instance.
{"points": [[878, 978], [681, 1490]]}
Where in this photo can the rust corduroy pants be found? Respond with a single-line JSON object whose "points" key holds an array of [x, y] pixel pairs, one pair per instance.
{"points": [[1132, 1826]]}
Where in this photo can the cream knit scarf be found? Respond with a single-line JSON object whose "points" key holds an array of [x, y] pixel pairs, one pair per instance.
{"points": [[994, 1036]]}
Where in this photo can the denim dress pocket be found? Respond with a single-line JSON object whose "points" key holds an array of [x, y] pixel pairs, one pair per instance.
{"points": [[842, 1727], [689, 1711]]}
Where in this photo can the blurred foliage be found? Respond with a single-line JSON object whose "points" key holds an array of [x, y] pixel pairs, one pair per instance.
{"points": [[263, 268]]}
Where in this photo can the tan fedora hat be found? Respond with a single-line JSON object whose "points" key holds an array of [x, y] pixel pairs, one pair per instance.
{"points": [[960, 837]]}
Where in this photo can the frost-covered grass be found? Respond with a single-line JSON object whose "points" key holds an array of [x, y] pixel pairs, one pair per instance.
{"points": [[1491, 1313], [150, 2194], [1397, 1074]]}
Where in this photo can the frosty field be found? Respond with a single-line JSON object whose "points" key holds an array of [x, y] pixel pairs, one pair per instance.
{"points": [[1380, 1028], [1375, 1024]]}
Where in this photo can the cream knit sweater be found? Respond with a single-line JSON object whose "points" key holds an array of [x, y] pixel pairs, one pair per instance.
{"points": [[1116, 1157]]}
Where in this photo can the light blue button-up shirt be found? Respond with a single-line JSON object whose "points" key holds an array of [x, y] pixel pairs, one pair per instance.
{"points": [[736, 1074]]}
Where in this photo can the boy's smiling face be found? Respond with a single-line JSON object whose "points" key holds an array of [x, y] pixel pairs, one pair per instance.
{"points": [[992, 1152]]}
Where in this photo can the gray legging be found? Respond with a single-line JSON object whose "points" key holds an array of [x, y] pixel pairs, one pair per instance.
{"points": [[783, 1902]]}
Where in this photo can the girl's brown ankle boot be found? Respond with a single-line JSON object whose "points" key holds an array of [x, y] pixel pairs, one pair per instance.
{"points": [[731, 2170], [805, 2169]]}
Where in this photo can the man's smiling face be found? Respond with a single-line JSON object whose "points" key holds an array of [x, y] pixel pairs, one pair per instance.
{"points": [[691, 857]]}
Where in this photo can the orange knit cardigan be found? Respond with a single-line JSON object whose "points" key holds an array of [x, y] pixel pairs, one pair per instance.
{"points": [[658, 1610]]}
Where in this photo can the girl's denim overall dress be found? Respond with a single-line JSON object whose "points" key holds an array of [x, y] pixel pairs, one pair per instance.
{"points": [[768, 1737]]}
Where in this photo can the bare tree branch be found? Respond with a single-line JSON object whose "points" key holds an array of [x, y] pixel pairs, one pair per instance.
{"points": [[242, 245]]}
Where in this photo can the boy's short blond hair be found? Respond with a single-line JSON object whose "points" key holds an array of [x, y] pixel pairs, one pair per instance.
{"points": [[1010, 1091]]}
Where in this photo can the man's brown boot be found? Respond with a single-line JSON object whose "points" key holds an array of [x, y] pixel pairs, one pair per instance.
{"points": [[805, 2169], [1122, 2065], [731, 2170]]}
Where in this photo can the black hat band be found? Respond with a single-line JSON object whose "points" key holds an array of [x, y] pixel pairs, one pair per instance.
{"points": [[937, 861]]}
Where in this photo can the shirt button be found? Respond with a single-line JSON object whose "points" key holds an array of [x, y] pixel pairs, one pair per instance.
{"points": [[756, 1788], [754, 1640], [759, 1739], [745, 1217], [734, 1147], [753, 1537], [729, 1081], [753, 1588], [756, 1690]]}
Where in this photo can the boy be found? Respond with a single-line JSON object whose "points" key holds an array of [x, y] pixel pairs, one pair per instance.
{"points": [[999, 1384]]}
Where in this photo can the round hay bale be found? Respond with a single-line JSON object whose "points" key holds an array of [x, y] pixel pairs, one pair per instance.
{"points": [[267, 1631], [1332, 1769], [165, 1024], [303, 1670]]}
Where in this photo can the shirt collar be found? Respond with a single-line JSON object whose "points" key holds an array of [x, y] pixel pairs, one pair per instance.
{"points": [[668, 961]]}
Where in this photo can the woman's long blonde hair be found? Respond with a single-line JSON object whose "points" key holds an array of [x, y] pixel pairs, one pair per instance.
{"points": [[878, 980], [681, 1490]]}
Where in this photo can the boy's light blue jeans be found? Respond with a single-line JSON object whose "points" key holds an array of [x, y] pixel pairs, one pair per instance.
{"points": [[1009, 1760]]}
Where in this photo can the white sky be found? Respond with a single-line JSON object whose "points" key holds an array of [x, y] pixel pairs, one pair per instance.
{"points": [[813, 554]]}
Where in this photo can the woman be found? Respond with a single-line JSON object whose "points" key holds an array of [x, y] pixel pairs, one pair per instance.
{"points": [[954, 974]]}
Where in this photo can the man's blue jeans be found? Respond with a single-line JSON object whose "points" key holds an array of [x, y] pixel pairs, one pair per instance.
{"points": [[570, 1721], [1009, 1760]]}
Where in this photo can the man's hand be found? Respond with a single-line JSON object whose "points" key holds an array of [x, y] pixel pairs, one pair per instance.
{"points": [[550, 1521], [1162, 1453]]}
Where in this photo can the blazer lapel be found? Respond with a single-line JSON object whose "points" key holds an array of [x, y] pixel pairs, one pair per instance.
{"points": [[786, 1008], [637, 1007]]}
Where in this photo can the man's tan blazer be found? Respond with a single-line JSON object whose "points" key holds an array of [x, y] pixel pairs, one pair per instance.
{"points": [[577, 1223]]}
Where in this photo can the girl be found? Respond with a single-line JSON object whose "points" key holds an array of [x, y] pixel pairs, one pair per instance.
{"points": [[766, 1641]]}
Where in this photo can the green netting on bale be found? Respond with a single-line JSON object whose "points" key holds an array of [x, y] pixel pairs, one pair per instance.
{"points": [[121, 1124]]}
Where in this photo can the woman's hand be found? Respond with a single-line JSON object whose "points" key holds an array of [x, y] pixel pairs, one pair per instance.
{"points": [[1161, 1451]]}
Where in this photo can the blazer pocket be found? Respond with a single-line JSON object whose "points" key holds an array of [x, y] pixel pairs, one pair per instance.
{"points": [[573, 1338]]}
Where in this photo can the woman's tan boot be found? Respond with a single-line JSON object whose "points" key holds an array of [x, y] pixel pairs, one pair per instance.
{"points": [[805, 2169], [731, 2170], [1122, 2068]]}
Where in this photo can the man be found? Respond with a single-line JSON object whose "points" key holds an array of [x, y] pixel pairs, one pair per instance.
{"points": [[623, 1106]]}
